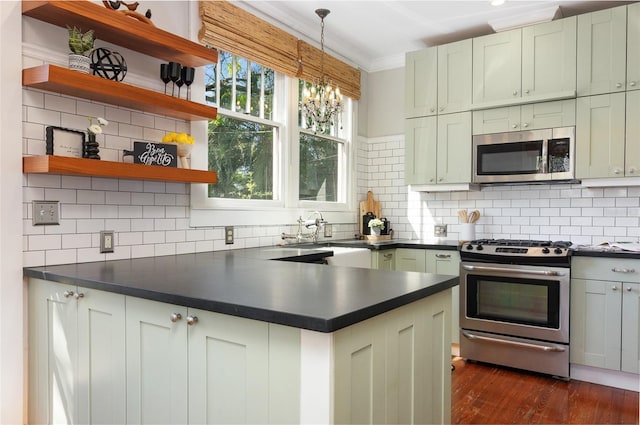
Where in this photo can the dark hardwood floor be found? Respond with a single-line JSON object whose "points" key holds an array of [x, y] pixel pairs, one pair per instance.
{"points": [[483, 394]]}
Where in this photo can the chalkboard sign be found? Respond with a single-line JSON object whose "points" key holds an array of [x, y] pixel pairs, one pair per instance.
{"points": [[163, 154]]}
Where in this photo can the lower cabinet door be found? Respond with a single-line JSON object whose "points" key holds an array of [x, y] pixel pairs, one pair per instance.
{"points": [[631, 327], [53, 353], [76, 355], [228, 369], [156, 362], [101, 358]]}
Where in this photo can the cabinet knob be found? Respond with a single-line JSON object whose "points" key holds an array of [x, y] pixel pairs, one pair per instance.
{"points": [[514, 126], [614, 288], [175, 317], [431, 180], [526, 91], [616, 171], [432, 110], [632, 170], [628, 288], [525, 125], [632, 83], [515, 92], [192, 320], [442, 108], [79, 295], [618, 85], [68, 294]]}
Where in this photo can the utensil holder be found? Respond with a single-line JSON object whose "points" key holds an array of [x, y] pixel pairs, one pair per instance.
{"points": [[467, 232]]}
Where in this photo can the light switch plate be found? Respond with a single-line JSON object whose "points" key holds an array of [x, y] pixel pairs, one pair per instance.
{"points": [[46, 212], [440, 230]]}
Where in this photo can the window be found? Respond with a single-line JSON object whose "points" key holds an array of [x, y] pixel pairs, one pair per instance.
{"points": [[261, 161]]}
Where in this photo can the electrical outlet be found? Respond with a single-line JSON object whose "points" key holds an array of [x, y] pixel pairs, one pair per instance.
{"points": [[228, 235], [106, 241], [46, 212], [328, 231], [440, 230]]}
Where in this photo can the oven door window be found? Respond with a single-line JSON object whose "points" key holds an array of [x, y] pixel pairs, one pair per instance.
{"points": [[510, 158], [521, 301]]}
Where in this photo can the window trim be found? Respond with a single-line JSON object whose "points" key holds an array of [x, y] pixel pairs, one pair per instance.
{"points": [[207, 211]]}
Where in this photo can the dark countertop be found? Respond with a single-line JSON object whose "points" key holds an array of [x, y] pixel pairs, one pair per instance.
{"points": [[448, 245], [245, 283]]}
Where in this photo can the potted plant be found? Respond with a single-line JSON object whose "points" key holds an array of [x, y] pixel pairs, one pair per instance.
{"points": [[376, 226], [81, 45]]}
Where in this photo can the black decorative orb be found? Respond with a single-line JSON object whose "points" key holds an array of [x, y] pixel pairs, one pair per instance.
{"points": [[108, 64]]}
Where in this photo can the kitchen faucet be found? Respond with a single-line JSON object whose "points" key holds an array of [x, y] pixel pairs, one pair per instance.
{"points": [[310, 223]]}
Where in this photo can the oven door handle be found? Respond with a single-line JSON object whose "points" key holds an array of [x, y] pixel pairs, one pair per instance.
{"points": [[547, 348], [506, 270]]}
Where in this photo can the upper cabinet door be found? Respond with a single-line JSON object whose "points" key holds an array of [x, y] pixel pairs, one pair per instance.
{"points": [[549, 58], [497, 67], [454, 77], [600, 132], [454, 148], [633, 46], [420, 150], [421, 83], [632, 147], [602, 50]]}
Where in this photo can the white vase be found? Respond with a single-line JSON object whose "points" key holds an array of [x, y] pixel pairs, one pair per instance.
{"points": [[184, 150], [376, 231], [79, 63]]}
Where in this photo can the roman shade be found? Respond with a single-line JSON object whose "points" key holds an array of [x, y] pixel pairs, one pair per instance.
{"points": [[234, 30]]}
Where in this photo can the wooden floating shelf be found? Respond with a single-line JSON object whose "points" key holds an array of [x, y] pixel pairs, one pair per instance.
{"points": [[114, 27], [51, 164], [73, 83]]}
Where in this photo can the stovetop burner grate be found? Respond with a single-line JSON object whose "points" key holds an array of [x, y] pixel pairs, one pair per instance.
{"points": [[521, 243]]}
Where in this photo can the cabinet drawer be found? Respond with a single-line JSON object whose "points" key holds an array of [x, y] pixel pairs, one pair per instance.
{"points": [[611, 269]]}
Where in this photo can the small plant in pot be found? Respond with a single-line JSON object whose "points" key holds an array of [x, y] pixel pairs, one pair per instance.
{"points": [[81, 45], [376, 226]]}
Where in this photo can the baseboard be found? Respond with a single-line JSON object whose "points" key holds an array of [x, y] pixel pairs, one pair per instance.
{"points": [[610, 378]]}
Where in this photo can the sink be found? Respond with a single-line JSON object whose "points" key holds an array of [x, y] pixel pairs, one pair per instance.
{"points": [[351, 257]]}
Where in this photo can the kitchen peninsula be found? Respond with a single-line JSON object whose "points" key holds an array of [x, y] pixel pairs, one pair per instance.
{"points": [[231, 336]]}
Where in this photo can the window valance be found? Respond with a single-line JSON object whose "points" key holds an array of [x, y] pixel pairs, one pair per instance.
{"points": [[232, 29]]}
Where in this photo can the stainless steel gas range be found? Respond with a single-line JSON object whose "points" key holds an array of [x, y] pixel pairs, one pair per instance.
{"points": [[514, 304]]}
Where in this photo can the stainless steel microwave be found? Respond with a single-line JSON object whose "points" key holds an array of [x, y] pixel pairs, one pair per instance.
{"points": [[524, 156]]}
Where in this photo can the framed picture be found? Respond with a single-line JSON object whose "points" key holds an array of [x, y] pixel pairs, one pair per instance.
{"points": [[64, 142]]}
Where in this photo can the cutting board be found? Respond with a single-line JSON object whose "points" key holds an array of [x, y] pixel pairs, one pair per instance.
{"points": [[370, 205]]}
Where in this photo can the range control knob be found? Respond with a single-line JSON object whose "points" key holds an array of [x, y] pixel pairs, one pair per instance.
{"points": [[469, 246], [557, 251], [545, 250], [479, 248]]}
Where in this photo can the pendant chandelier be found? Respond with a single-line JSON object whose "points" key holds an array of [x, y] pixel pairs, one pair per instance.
{"points": [[322, 104]]}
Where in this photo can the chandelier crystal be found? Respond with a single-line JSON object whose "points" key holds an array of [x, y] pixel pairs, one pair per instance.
{"points": [[322, 104]]}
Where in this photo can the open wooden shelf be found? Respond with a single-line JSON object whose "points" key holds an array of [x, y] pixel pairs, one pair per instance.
{"points": [[73, 83], [51, 164], [114, 27]]}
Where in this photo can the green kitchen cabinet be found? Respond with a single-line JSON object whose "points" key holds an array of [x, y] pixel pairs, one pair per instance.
{"points": [[633, 46], [395, 368], [421, 82], [420, 150], [383, 260], [447, 262], [600, 136], [602, 51], [410, 260], [455, 77], [529, 64], [438, 149], [186, 365], [549, 59], [533, 116], [605, 302], [497, 67], [632, 134], [76, 355]]}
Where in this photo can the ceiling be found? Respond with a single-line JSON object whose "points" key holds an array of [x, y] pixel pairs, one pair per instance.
{"points": [[374, 35]]}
